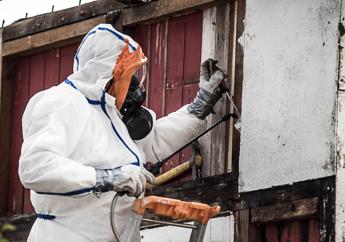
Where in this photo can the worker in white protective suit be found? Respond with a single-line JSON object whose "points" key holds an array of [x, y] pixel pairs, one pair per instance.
{"points": [[78, 151]]}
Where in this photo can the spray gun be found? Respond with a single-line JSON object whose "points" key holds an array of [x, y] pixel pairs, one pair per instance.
{"points": [[224, 89]]}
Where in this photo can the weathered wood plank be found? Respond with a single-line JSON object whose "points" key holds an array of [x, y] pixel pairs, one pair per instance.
{"points": [[176, 51], [52, 67], [48, 21], [1, 31], [16, 190], [286, 193], [174, 73], [207, 51], [245, 231], [237, 14], [215, 44], [193, 47], [210, 190], [272, 233], [67, 54], [37, 66], [6, 97], [50, 37], [162, 8], [243, 225], [158, 67], [219, 135], [327, 211], [285, 211], [291, 232], [313, 230]]}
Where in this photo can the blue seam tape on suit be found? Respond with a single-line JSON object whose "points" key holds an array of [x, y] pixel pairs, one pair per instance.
{"points": [[102, 103], [72, 193], [45, 216], [76, 55], [116, 132], [93, 102]]}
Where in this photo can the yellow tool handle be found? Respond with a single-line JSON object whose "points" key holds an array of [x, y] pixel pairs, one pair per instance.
{"points": [[176, 171]]}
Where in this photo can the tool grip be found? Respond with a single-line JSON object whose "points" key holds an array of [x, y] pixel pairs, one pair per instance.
{"points": [[222, 87]]}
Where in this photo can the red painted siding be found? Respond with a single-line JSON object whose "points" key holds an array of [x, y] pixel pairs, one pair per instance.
{"points": [[66, 61], [16, 191], [174, 57], [157, 68], [193, 47], [52, 67], [294, 231], [175, 61]]}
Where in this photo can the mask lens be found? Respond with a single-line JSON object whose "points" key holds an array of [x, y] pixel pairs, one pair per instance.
{"points": [[142, 73]]}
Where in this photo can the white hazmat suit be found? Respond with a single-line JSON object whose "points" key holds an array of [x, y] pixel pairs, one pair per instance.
{"points": [[74, 128]]}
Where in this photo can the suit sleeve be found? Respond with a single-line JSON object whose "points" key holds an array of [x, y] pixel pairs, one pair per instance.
{"points": [[170, 133], [52, 128]]}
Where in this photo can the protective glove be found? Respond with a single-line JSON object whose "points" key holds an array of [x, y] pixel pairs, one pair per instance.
{"points": [[209, 92], [130, 179]]}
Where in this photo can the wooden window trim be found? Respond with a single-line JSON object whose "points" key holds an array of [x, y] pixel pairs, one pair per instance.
{"points": [[161, 8]]}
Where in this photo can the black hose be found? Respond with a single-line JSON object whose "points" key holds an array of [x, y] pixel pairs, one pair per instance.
{"points": [[112, 213], [155, 169]]}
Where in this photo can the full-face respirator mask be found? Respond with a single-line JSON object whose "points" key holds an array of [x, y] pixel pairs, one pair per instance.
{"points": [[137, 119]]}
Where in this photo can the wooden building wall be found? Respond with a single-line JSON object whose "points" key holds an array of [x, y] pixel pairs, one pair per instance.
{"points": [[175, 44], [173, 47]]}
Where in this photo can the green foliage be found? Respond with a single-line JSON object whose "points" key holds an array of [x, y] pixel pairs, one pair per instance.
{"points": [[6, 228]]}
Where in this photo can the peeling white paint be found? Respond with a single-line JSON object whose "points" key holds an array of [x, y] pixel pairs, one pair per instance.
{"points": [[208, 48], [218, 230], [289, 92], [215, 44], [340, 176], [340, 144]]}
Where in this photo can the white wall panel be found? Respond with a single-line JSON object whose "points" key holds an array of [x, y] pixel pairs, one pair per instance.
{"points": [[289, 91]]}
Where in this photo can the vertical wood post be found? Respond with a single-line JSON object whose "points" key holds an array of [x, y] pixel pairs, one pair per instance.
{"points": [[326, 212], [215, 44], [237, 15], [340, 138], [6, 97], [1, 29], [207, 51], [245, 231]]}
